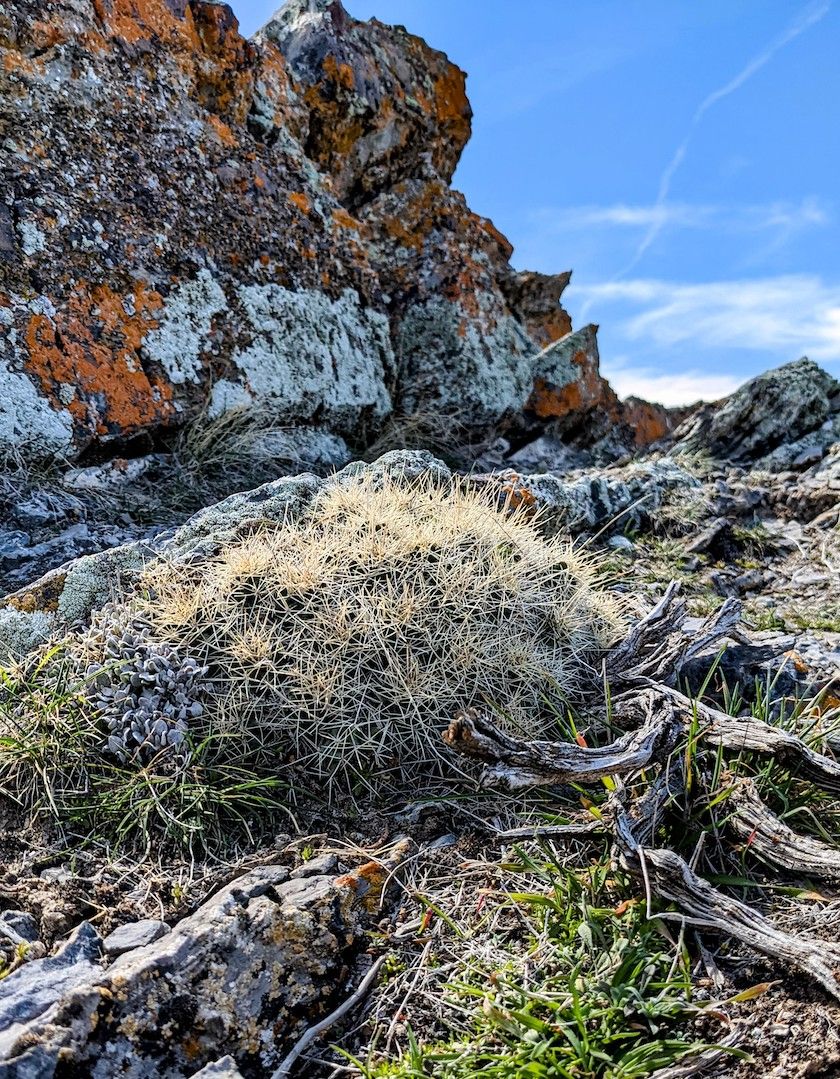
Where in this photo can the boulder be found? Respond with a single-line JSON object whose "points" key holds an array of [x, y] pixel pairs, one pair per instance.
{"points": [[794, 405], [242, 975], [168, 232], [191, 221]]}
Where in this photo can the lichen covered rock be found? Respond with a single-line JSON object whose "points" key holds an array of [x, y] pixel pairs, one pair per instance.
{"points": [[238, 976], [190, 218], [779, 408]]}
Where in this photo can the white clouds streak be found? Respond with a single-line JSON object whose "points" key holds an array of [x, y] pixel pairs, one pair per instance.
{"points": [[807, 18], [783, 317], [782, 216]]}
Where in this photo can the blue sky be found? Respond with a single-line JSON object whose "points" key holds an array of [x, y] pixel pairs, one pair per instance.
{"points": [[682, 157]]}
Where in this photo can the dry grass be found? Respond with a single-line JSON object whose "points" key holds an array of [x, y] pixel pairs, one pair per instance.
{"points": [[344, 642]]}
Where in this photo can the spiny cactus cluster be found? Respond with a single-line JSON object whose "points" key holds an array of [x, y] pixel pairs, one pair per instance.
{"points": [[346, 640], [145, 692]]}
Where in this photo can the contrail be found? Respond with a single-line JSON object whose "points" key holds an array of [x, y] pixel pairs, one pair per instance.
{"points": [[811, 15]]}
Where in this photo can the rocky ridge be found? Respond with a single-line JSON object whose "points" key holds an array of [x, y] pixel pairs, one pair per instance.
{"points": [[759, 526], [193, 221]]}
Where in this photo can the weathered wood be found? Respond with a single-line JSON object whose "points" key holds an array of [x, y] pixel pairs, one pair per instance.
{"points": [[658, 648], [516, 763], [656, 715], [770, 839]]}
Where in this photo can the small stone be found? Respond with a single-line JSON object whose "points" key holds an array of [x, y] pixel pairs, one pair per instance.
{"points": [[220, 1069], [134, 935], [21, 923], [56, 873], [322, 865]]}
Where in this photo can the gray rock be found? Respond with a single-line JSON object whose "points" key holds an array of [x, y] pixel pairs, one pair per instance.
{"points": [[21, 924], [236, 977], [802, 453], [323, 863], [31, 990], [774, 409], [220, 1069], [619, 497], [134, 935]]}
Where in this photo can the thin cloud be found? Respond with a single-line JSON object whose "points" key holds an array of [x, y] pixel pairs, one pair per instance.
{"points": [[785, 316], [807, 18], [786, 217], [670, 389]]}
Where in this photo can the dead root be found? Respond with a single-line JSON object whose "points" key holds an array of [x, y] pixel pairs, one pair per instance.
{"points": [[650, 776]]}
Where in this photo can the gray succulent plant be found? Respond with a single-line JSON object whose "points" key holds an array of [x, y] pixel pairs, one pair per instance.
{"points": [[147, 694]]}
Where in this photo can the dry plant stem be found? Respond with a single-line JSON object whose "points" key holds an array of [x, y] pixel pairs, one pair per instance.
{"points": [[577, 830], [771, 840], [314, 1032]]}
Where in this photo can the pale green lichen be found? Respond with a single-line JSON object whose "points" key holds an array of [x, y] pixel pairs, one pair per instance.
{"points": [[184, 326], [311, 353], [28, 424], [93, 580], [21, 632], [477, 368]]}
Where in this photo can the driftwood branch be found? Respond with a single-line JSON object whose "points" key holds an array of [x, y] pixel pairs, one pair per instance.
{"points": [[656, 716], [671, 878], [734, 732], [516, 763], [657, 646]]}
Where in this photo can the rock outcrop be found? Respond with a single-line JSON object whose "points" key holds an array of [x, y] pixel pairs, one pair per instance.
{"points": [[238, 976], [190, 219], [787, 417]]}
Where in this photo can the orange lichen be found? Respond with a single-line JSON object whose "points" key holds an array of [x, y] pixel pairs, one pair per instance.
{"points": [[42, 596], [367, 883], [516, 494], [342, 74], [587, 391], [799, 664], [134, 21], [498, 238], [345, 220], [92, 348], [649, 422], [46, 35], [452, 109], [224, 62], [15, 63], [223, 132], [299, 199]]}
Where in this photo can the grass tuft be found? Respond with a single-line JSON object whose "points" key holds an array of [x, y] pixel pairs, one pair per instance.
{"points": [[566, 979]]}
